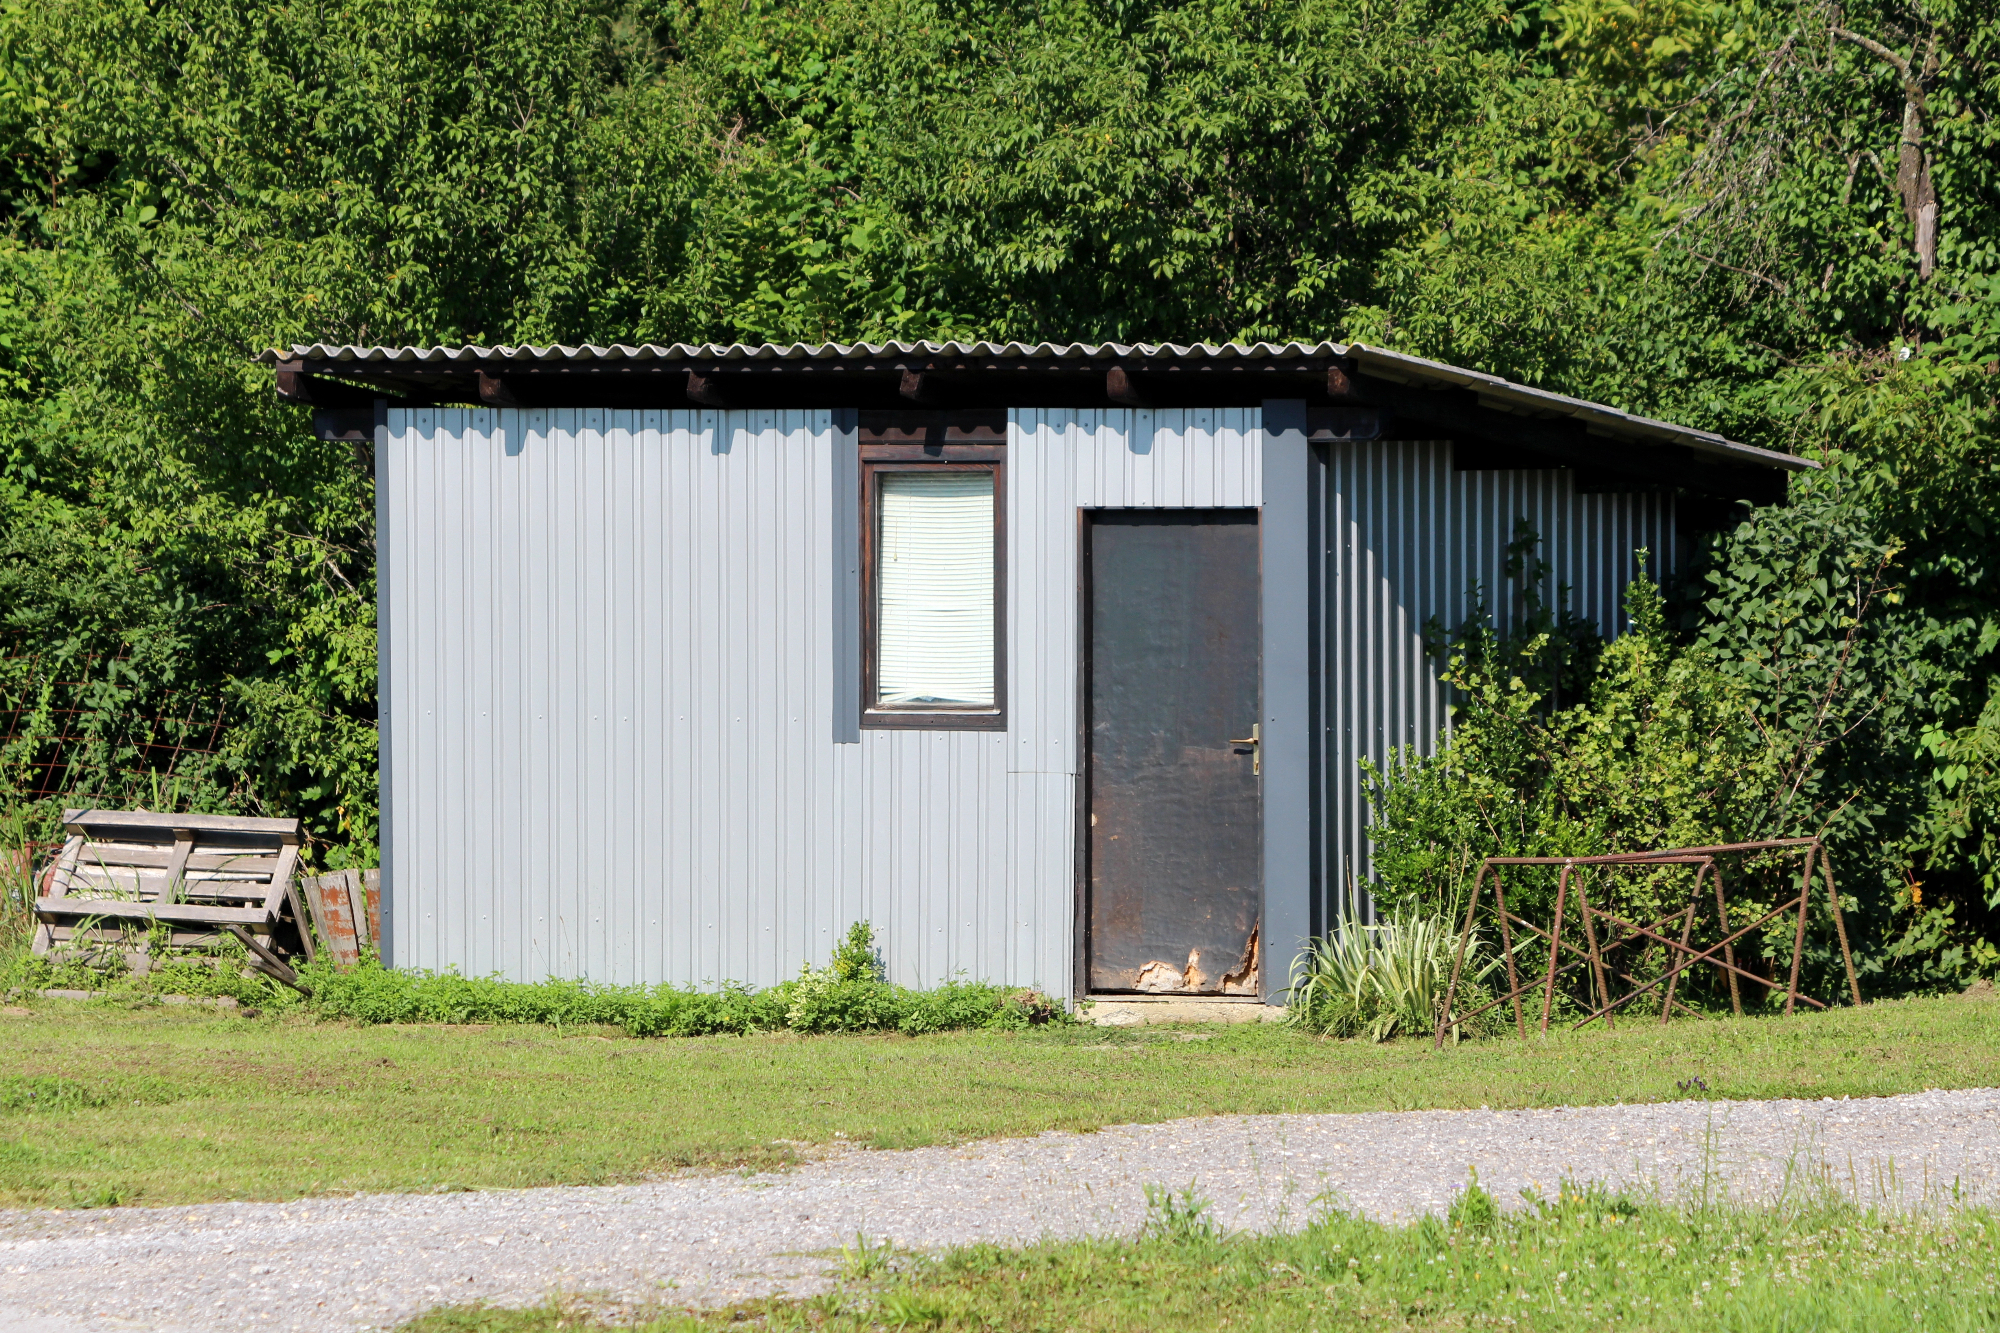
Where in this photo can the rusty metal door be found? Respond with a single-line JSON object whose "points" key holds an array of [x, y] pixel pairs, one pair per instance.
{"points": [[1175, 812]]}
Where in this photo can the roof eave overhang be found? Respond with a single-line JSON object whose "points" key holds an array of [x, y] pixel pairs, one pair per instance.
{"points": [[1354, 391]]}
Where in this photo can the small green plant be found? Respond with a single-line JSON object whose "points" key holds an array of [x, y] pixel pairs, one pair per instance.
{"points": [[1588, 1201], [821, 1002], [903, 1308], [857, 958], [102, 1196], [1473, 1210], [1180, 1217], [866, 1259], [848, 994]]}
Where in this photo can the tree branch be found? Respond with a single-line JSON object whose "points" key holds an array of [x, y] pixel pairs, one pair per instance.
{"points": [[1876, 49]]}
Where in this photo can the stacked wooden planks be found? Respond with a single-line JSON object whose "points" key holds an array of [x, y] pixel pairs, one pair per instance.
{"points": [[123, 872]]}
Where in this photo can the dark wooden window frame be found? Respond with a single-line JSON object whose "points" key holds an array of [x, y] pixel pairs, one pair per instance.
{"points": [[877, 459]]}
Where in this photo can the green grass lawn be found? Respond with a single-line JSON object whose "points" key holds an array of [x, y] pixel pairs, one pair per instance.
{"points": [[150, 1105], [1579, 1263]]}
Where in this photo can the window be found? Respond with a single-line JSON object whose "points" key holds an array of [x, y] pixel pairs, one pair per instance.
{"points": [[932, 570]]}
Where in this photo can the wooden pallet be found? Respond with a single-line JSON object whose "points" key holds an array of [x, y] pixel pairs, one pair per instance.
{"points": [[203, 876]]}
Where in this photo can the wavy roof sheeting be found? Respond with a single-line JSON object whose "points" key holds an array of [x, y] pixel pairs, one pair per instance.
{"points": [[555, 352], [1493, 392]]}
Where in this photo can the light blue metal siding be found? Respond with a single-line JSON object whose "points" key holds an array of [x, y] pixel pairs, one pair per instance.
{"points": [[1163, 458], [610, 636], [612, 666], [1407, 539]]}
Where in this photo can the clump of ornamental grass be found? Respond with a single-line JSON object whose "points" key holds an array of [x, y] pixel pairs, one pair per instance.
{"points": [[1389, 979]]}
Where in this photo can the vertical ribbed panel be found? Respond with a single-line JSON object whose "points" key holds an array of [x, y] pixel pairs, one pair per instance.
{"points": [[611, 642], [1042, 658], [1407, 540], [1164, 458]]}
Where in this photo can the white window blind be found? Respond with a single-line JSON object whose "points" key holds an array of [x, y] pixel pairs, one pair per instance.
{"points": [[934, 582]]}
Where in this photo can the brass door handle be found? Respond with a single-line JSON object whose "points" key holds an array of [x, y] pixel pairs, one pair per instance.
{"points": [[1255, 740]]}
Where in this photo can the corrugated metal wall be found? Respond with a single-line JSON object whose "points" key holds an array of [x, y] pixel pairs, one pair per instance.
{"points": [[1407, 538], [1150, 458], [608, 639], [613, 676]]}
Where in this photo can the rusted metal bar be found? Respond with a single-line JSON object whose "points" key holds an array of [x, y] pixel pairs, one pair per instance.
{"points": [[1687, 929], [1799, 936], [1507, 946], [1777, 911], [1729, 949], [1774, 912], [1496, 1003], [1555, 947], [1458, 963], [1840, 928], [1623, 1000], [1570, 967], [1582, 958], [1641, 858], [1596, 962], [1708, 956], [1517, 990], [1620, 933]]}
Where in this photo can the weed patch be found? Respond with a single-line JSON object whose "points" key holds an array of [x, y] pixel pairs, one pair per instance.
{"points": [[850, 994], [814, 1004], [53, 1094]]}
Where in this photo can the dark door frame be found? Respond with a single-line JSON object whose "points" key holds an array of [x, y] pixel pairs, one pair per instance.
{"points": [[1080, 819]]}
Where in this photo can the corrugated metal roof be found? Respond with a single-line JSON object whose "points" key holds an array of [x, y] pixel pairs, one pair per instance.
{"points": [[1493, 392], [707, 352]]}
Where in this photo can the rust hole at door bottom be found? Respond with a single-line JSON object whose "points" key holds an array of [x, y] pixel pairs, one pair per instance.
{"points": [[1163, 978]]}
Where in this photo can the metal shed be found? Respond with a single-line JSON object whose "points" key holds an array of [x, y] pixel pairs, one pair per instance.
{"points": [[1052, 662]]}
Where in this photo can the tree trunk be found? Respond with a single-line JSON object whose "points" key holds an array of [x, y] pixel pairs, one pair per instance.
{"points": [[1913, 165]]}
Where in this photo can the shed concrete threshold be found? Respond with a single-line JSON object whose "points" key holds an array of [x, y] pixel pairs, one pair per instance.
{"points": [[1122, 1011]]}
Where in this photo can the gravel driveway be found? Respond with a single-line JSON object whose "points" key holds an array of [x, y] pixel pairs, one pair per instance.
{"points": [[374, 1260]]}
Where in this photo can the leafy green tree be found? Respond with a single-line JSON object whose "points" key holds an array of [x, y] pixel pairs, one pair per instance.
{"points": [[1770, 217], [209, 180]]}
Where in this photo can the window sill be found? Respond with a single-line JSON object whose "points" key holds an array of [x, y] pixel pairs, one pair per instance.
{"points": [[913, 719]]}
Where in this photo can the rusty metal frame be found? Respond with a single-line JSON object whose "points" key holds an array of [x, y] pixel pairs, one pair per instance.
{"points": [[1619, 932]]}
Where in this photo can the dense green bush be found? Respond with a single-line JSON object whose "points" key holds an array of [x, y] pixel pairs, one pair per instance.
{"points": [[1660, 751], [1798, 701], [847, 995]]}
